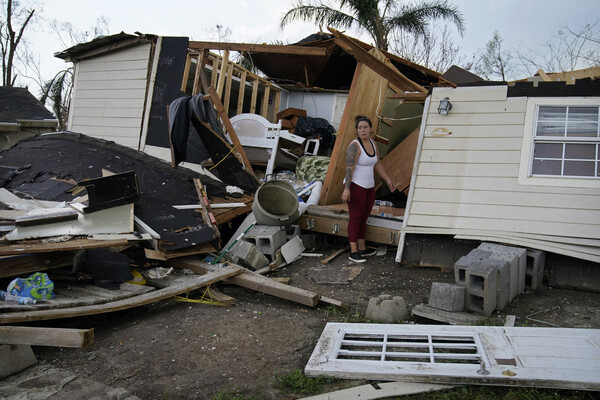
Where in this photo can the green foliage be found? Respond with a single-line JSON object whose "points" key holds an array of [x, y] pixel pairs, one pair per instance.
{"points": [[298, 383], [378, 17]]}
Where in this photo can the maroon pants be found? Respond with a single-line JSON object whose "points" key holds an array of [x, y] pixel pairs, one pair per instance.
{"points": [[359, 206]]}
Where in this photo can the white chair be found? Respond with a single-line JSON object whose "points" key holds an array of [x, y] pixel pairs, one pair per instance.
{"points": [[256, 131]]}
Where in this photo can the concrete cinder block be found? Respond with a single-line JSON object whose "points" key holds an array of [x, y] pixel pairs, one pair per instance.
{"points": [[481, 285], [461, 265], [292, 249], [267, 238], [534, 270], [516, 256], [447, 296], [15, 358], [248, 255], [387, 309]]}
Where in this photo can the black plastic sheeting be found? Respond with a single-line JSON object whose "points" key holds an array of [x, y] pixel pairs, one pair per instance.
{"points": [[54, 159]]}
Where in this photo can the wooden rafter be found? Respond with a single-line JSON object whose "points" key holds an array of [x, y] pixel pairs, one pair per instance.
{"points": [[261, 48], [389, 72]]}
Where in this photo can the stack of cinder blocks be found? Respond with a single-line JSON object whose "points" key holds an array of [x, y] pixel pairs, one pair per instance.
{"points": [[488, 278], [260, 244]]}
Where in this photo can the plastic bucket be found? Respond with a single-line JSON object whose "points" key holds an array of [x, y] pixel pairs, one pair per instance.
{"points": [[276, 204]]}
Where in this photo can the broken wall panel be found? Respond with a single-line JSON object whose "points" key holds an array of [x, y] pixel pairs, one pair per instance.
{"points": [[563, 358]]}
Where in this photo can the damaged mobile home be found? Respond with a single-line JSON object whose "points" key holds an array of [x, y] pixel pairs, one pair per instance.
{"points": [[474, 161]]}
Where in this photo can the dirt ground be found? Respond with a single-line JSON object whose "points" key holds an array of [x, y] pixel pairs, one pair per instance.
{"points": [[182, 350]]}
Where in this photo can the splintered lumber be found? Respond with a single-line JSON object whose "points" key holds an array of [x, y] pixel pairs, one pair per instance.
{"points": [[252, 280], [54, 337], [333, 255], [400, 160], [70, 245], [29, 263], [191, 282]]}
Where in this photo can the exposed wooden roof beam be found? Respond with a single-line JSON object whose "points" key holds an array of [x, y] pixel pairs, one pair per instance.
{"points": [[260, 48], [394, 76]]}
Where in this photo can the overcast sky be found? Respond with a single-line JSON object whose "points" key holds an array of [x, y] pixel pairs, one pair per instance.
{"points": [[521, 23]]}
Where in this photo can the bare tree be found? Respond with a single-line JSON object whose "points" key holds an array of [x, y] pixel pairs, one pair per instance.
{"points": [[495, 61], [57, 90], [435, 50], [12, 27], [567, 50]]}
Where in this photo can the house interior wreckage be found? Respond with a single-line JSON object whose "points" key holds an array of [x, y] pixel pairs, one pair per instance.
{"points": [[181, 168]]}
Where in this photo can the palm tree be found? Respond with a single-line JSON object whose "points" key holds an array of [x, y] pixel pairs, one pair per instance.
{"points": [[378, 17]]}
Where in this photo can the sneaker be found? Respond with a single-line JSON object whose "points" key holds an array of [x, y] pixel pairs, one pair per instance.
{"points": [[357, 257], [368, 252]]}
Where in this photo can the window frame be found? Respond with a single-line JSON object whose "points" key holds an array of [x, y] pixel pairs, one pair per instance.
{"points": [[526, 164]]}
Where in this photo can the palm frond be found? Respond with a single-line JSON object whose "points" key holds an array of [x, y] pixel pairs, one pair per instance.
{"points": [[319, 14], [414, 19]]}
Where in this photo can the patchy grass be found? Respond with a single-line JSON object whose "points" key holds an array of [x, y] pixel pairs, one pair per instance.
{"points": [[340, 314], [236, 394], [298, 383], [503, 393]]}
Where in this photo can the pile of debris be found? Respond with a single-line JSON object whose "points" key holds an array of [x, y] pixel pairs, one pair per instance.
{"points": [[110, 218]]}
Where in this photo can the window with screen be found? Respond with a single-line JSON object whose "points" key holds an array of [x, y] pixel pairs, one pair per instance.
{"points": [[566, 142]]}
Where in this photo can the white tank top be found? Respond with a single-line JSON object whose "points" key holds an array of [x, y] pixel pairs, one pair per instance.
{"points": [[363, 174]]}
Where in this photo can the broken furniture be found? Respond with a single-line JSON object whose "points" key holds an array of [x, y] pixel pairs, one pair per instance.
{"points": [[258, 135]]}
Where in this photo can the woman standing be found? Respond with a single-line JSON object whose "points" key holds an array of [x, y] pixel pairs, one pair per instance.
{"points": [[362, 159]]}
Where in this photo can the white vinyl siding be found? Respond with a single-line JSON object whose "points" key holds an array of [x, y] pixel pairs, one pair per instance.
{"points": [[109, 94], [469, 177]]}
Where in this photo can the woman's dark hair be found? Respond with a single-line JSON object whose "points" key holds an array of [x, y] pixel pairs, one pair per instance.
{"points": [[360, 118]]}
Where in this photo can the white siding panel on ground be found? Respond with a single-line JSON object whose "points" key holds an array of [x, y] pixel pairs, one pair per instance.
{"points": [[109, 94], [467, 177]]}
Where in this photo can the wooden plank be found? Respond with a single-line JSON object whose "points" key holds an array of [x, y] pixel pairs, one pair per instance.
{"points": [[242, 90], [340, 228], [200, 63], [256, 47], [264, 107], [75, 294], [254, 96], [186, 73], [19, 265], [386, 70], [333, 255], [56, 337], [254, 281], [228, 84], [398, 163], [230, 130], [191, 283], [362, 83], [222, 74], [70, 245]]}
